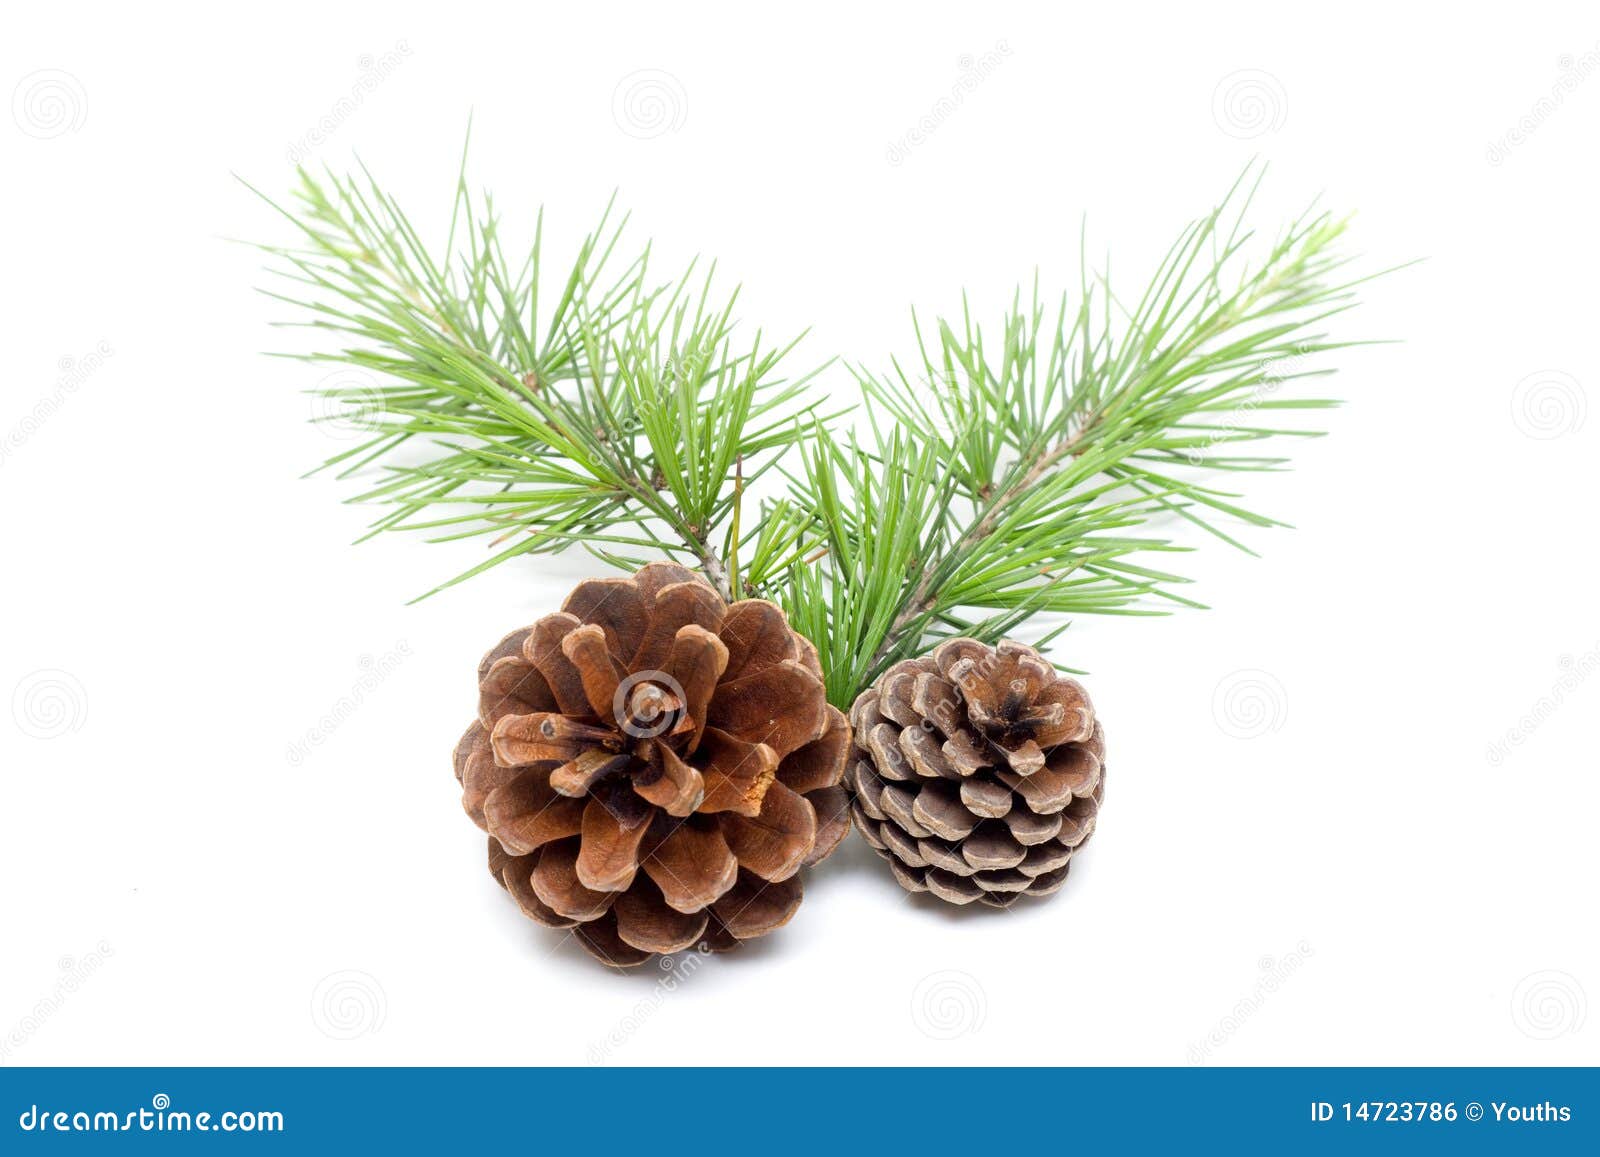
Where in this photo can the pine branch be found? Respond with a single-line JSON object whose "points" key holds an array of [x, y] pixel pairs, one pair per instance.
{"points": [[1009, 473], [620, 418], [1050, 449]]}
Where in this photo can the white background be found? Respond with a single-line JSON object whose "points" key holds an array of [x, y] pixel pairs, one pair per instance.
{"points": [[1319, 860]]}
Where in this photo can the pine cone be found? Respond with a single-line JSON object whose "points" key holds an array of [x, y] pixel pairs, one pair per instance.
{"points": [[649, 725], [978, 773]]}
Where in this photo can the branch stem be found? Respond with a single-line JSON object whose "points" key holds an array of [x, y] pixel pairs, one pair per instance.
{"points": [[716, 571], [925, 595]]}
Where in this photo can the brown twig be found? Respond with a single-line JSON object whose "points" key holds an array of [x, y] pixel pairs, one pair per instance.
{"points": [[924, 596]]}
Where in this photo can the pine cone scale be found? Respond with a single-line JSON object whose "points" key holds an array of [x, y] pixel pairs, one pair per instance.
{"points": [[983, 797], [647, 922], [682, 604], [543, 650], [516, 874], [512, 686], [697, 661], [586, 650], [478, 773], [940, 807], [773, 844], [614, 825], [603, 941], [782, 706], [815, 766], [555, 881], [832, 807], [736, 773], [757, 634], [617, 606], [754, 907], [526, 814], [577, 777], [671, 784], [693, 866]]}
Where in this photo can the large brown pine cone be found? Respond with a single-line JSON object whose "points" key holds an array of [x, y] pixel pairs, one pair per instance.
{"points": [[978, 772], [654, 766]]}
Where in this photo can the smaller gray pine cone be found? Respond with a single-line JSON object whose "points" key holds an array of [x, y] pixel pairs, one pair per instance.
{"points": [[978, 772]]}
